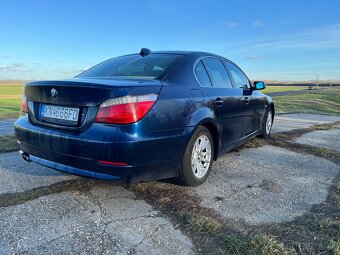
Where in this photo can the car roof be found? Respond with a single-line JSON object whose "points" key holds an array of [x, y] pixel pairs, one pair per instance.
{"points": [[198, 53]]}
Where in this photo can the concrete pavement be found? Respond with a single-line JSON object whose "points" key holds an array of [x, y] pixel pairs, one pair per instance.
{"points": [[257, 186], [329, 139], [106, 219], [266, 185]]}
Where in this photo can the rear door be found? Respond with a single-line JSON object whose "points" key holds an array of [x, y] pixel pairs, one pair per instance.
{"points": [[253, 104], [227, 102]]}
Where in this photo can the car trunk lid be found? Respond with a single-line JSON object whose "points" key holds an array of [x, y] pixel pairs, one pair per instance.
{"points": [[83, 94]]}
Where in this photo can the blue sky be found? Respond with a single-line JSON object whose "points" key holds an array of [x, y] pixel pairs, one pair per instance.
{"points": [[281, 40]]}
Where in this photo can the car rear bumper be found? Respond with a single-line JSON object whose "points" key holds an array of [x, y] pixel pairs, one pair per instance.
{"points": [[148, 155]]}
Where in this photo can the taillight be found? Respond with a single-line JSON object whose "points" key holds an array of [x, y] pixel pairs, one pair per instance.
{"points": [[24, 107], [125, 110]]}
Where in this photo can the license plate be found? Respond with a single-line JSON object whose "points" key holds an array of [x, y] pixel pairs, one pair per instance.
{"points": [[59, 112]]}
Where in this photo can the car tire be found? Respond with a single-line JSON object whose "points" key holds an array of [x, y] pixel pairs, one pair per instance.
{"points": [[198, 158], [267, 124]]}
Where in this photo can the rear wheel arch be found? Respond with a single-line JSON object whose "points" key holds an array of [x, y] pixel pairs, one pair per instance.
{"points": [[215, 135]]}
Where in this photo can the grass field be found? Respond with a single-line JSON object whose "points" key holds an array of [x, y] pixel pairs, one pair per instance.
{"points": [[273, 89], [326, 101], [10, 97]]}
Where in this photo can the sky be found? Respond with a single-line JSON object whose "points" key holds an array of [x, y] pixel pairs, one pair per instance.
{"points": [[269, 40]]}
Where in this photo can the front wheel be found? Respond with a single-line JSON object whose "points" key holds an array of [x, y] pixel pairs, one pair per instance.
{"points": [[197, 159]]}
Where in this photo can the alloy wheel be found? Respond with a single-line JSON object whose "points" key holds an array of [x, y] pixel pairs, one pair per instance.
{"points": [[201, 156]]}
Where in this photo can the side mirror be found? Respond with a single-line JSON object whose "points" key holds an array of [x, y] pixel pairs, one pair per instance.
{"points": [[259, 85]]}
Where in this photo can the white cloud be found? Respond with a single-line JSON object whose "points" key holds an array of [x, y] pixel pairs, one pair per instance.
{"points": [[11, 67], [231, 24], [255, 57], [258, 23], [317, 38]]}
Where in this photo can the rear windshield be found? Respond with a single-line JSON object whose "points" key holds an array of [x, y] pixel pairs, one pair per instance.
{"points": [[151, 66]]}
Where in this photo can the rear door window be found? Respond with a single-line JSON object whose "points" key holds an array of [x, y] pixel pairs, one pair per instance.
{"points": [[217, 73], [239, 79]]}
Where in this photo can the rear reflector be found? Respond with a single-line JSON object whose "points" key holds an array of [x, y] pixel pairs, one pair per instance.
{"points": [[125, 110], [112, 163]]}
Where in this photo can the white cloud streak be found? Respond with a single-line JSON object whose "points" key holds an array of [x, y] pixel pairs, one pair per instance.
{"points": [[318, 38], [258, 23], [231, 24]]}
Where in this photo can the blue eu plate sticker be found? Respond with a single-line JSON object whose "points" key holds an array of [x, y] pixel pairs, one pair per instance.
{"points": [[42, 111]]}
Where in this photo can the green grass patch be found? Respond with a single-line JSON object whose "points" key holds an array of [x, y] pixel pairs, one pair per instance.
{"points": [[273, 89], [326, 101], [11, 89], [10, 97], [257, 245], [202, 224], [8, 143], [10, 107], [334, 246]]}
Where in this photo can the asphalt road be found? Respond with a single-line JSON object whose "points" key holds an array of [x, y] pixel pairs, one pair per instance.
{"points": [[43, 211], [6, 126], [287, 122]]}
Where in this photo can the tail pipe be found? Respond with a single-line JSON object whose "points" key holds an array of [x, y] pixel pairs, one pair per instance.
{"points": [[25, 156]]}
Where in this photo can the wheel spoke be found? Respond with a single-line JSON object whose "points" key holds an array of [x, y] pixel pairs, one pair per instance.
{"points": [[205, 160], [201, 146], [194, 165], [206, 153]]}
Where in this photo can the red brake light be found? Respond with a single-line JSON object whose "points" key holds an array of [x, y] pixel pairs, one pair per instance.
{"points": [[125, 110], [112, 163], [24, 107]]}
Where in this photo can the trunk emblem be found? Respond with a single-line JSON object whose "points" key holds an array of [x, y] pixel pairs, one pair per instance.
{"points": [[54, 93]]}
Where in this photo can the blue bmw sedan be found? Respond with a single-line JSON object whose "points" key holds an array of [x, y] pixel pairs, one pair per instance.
{"points": [[143, 117]]}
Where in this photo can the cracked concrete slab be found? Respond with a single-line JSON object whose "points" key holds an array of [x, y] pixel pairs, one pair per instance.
{"points": [[18, 175], [329, 139], [107, 219], [288, 122], [266, 185]]}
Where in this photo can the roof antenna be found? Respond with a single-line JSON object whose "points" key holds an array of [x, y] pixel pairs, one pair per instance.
{"points": [[144, 52]]}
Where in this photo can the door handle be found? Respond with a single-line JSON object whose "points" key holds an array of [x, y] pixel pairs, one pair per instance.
{"points": [[218, 101], [246, 100]]}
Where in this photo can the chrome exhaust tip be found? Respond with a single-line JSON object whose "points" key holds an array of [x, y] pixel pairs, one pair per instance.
{"points": [[25, 156]]}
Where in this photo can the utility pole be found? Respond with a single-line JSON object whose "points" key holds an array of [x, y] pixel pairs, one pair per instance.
{"points": [[317, 81]]}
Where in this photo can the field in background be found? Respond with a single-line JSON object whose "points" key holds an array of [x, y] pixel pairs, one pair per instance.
{"points": [[10, 98], [273, 89], [326, 101]]}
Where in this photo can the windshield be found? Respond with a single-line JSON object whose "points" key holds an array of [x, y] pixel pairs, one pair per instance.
{"points": [[151, 66]]}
